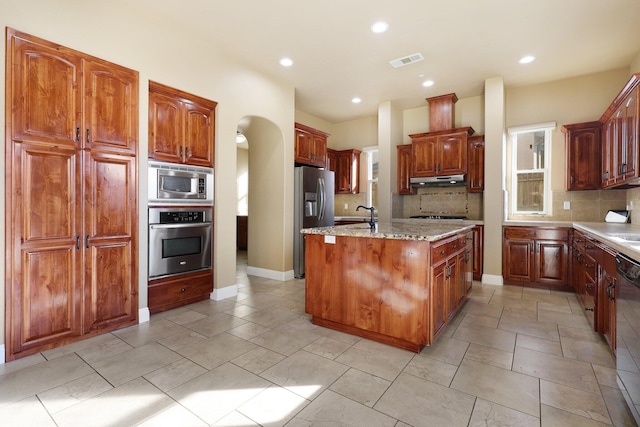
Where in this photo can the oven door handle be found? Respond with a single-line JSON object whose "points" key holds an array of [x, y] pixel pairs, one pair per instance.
{"points": [[165, 226]]}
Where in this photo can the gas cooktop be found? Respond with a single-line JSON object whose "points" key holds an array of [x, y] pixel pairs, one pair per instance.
{"points": [[438, 217]]}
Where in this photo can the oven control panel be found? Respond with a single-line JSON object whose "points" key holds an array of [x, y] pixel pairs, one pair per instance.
{"points": [[179, 215]]}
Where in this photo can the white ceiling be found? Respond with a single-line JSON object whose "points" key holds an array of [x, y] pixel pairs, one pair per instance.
{"points": [[337, 57]]}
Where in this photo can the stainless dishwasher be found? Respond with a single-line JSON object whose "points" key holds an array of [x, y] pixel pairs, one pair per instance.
{"points": [[628, 331]]}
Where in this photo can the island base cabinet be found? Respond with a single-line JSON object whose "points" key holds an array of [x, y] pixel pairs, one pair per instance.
{"points": [[364, 286], [385, 289]]}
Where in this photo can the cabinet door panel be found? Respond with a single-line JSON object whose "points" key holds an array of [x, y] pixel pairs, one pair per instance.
{"points": [[111, 108], [424, 153], [630, 134], [583, 159], [439, 307], [303, 146], [319, 150], [518, 260], [404, 169], [552, 262], [44, 292], [165, 128], [453, 154], [46, 98], [199, 131], [110, 212], [475, 167]]}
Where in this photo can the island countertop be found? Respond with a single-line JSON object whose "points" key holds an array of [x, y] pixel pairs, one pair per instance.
{"points": [[397, 230]]}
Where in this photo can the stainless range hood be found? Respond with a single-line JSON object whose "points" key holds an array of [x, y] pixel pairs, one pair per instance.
{"points": [[439, 181]]}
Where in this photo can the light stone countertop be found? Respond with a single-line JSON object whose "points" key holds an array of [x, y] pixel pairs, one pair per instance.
{"points": [[400, 230], [612, 235]]}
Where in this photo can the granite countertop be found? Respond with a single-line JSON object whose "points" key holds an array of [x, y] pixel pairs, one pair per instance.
{"points": [[400, 230], [532, 223], [439, 221], [613, 235]]}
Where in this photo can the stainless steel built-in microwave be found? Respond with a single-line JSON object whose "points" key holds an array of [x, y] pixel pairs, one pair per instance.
{"points": [[173, 184]]}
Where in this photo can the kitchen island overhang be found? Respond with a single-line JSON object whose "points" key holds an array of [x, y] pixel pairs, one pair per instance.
{"points": [[399, 284]]}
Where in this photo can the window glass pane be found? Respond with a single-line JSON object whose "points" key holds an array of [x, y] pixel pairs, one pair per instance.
{"points": [[530, 192], [530, 150]]}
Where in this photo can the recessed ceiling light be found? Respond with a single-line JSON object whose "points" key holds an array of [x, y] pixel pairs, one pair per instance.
{"points": [[379, 27], [286, 62], [527, 59], [356, 100], [427, 83]]}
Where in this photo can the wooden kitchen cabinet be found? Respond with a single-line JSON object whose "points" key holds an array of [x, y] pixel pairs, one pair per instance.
{"points": [[71, 207], [535, 255], [620, 136], [440, 153], [310, 146], [181, 126], [332, 160], [475, 166], [478, 251], [583, 150], [348, 172], [177, 291], [404, 169], [594, 281]]}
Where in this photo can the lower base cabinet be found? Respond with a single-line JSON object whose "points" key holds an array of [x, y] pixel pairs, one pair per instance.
{"points": [[594, 281], [176, 291], [536, 256]]}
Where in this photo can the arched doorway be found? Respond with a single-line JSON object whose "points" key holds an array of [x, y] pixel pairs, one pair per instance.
{"points": [[265, 196]]}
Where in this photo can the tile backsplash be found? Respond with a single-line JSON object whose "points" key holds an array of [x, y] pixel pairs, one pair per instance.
{"points": [[443, 201]]}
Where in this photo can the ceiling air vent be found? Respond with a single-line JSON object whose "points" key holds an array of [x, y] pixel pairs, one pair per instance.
{"points": [[410, 59]]}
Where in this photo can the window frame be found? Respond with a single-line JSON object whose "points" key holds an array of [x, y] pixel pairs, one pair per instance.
{"points": [[545, 170], [369, 152]]}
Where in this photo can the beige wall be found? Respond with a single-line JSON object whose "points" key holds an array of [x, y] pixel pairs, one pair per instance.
{"points": [[162, 52], [566, 101]]}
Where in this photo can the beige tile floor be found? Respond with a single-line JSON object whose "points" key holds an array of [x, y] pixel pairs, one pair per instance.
{"points": [[511, 357]]}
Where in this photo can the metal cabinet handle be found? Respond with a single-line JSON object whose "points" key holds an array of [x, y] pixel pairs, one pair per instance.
{"points": [[88, 136], [87, 241], [588, 285], [186, 152], [180, 155], [78, 242], [78, 134], [588, 309], [442, 252]]}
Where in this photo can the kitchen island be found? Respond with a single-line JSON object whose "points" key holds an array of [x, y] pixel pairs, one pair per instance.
{"points": [[399, 284]]}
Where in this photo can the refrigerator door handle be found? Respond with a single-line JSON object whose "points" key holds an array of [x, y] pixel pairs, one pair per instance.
{"points": [[321, 195]]}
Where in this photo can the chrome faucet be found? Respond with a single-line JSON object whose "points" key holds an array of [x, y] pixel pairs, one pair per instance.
{"points": [[372, 223]]}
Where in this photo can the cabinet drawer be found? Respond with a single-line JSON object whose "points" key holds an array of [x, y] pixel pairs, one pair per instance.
{"points": [[174, 292], [444, 248], [536, 233]]}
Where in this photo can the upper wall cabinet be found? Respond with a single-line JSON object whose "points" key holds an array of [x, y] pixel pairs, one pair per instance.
{"points": [[475, 164], [583, 153], [310, 146], [440, 153], [608, 146], [620, 137], [181, 126], [89, 103], [404, 169], [348, 172]]}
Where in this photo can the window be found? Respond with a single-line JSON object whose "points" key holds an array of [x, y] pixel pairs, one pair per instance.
{"points": [[530, 164], [372, 175]]}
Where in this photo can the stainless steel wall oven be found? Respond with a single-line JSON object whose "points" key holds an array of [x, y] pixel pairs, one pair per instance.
{"points": [[180, 240]]}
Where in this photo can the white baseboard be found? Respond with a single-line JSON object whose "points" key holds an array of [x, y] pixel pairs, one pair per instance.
{"points": [[492, 279], [1, 354], [224, 293], [143, 315], [282, 276]]}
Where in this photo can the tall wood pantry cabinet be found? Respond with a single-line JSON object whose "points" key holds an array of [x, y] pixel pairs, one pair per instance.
{"points": [[181, 126], [71, 205]]}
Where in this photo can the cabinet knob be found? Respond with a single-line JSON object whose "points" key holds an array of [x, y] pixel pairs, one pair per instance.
{"points": [[183, 290], [588, 309], [442, 252]]}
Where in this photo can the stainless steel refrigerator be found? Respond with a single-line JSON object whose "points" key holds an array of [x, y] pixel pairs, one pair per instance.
{"points": [[313, 207]]}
